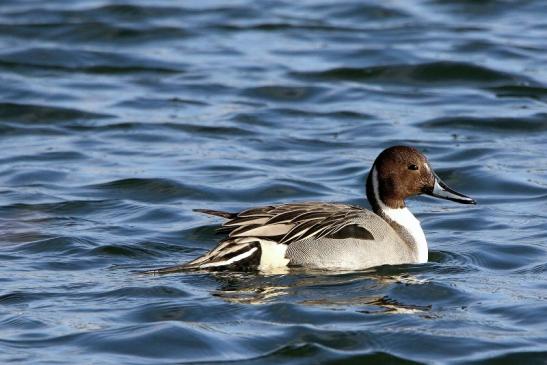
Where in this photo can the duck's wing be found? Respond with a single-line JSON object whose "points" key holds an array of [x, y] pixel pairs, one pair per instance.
{"points": [[277, 225], [293, 222]]}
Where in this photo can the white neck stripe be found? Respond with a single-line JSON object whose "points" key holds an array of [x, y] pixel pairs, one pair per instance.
{"points": [[404, 218]]}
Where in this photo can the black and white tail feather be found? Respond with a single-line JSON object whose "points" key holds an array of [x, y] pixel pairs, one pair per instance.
{"points": [[252, 230]]}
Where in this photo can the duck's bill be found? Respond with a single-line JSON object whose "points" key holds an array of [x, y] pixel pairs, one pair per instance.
{"points": [[441, 190]]}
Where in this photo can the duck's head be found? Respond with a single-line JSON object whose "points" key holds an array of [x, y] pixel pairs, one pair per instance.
{"points": [[400, 172]]}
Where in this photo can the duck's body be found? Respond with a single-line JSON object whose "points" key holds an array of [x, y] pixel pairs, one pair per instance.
{"points": [[365, 242], [333, 236]]}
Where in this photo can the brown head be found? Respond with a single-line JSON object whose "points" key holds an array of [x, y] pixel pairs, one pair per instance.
{"points": [[400, 172]]}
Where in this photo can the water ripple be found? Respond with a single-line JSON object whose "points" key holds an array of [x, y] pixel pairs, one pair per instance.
{"points": [[532, 124], [445, 73], [84, 61]]}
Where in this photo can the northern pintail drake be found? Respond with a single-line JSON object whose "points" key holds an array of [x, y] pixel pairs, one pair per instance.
{"points": [[333, 236]]}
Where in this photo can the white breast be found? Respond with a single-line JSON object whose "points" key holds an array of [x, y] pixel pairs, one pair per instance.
{"points": [[404, 218]]}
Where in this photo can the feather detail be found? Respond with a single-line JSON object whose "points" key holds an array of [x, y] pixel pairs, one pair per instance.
{"points": [[266, 230], [291, 222], [259, 237]]}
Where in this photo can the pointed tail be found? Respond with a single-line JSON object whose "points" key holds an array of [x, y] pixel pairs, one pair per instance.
{"points": [[170, 269], [217, 213], [240, 254]]}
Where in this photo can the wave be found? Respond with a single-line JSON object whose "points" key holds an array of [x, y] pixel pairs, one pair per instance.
{"points": [[441, 73]]}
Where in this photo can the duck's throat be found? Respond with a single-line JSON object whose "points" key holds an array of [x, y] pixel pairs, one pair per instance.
{"points": [[400, 219]]}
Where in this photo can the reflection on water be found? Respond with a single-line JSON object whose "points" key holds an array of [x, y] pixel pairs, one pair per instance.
{"points": [[298, 286]]}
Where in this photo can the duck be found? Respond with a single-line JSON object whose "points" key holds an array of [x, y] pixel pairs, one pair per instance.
{"points": [[333, 236]]}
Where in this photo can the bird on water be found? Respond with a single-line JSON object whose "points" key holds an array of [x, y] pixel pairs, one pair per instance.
{"points": [[333, 236]]}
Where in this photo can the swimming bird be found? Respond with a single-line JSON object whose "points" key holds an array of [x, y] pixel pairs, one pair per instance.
{"points": [[329, 235]]}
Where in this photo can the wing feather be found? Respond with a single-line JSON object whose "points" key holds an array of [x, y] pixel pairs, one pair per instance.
{"points": [[291, 222], [266, 230]]}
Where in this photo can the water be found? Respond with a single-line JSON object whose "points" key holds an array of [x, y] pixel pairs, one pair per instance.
{"points": [[117, 118]]}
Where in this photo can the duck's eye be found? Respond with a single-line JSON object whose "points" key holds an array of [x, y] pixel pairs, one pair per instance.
{"points": [[412, 167]]}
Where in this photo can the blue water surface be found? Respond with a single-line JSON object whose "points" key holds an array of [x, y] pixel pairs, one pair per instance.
{"points": [[117, 118]]}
